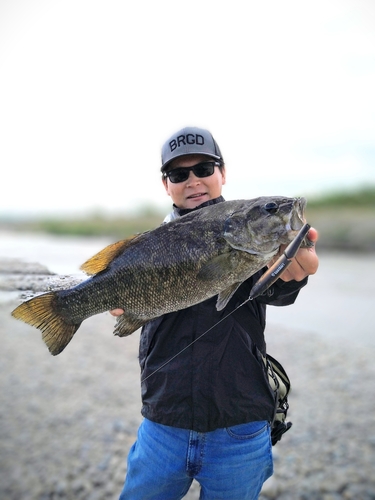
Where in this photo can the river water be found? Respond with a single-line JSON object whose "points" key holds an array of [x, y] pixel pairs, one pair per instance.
{"points": [[338, 303]]}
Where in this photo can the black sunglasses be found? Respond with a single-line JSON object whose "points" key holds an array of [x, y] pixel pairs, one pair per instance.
{"points": [[204, 169]]}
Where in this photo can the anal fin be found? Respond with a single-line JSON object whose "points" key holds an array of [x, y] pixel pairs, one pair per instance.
{"points": [[127, 324]]}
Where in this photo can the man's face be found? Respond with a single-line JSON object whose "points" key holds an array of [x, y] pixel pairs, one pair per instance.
{"points": [[195, 190]]}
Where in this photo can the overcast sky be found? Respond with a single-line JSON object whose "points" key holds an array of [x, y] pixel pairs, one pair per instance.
{"points": [[90, 90]]}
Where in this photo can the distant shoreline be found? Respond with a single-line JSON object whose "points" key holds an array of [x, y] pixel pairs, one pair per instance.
{"points": [[340, 228]]}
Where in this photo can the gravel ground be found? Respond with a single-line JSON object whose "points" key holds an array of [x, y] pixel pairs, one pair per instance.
{"points": [[67, 422]]}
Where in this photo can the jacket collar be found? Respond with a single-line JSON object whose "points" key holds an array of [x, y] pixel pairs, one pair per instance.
{"points": [[179, 212], [183, 211]]}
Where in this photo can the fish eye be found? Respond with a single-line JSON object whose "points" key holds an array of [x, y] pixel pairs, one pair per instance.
{"points": [[271, 207]]}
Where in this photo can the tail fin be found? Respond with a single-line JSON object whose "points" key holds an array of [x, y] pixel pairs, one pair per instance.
{"points": [[39, 312]]}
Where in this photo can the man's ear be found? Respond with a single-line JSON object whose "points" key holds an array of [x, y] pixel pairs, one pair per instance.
{"points": [[224, 174]]}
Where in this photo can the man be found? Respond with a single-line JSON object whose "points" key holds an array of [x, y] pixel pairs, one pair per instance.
{"points": [[208, 411]]}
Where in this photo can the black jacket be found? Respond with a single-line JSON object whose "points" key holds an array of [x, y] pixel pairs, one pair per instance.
{"points": [[220, 380]]}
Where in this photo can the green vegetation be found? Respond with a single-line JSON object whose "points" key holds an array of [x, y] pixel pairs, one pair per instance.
{"points": [[117, 227], [345, 220], [361, 197]]}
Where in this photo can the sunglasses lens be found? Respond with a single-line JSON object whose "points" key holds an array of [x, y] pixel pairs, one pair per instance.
{"points": [[178, 175], [204, 169]]}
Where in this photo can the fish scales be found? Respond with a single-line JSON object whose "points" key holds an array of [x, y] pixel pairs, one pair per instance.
{"points": [[145, 264], [205, 253]]}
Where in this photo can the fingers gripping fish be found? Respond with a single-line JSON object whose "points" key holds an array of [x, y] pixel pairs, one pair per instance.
{"points": [[205, 253]]}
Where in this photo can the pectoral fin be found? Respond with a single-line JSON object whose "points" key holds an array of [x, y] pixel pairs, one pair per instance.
{"points": [[215, 268], [218, 268], [225, 296]]}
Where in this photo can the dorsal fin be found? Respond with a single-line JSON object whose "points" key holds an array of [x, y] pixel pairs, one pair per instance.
{"points": [[100, 261]]}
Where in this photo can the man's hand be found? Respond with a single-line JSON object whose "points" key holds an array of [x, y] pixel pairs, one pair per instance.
{"points": [[305, 262], [117, 312]]}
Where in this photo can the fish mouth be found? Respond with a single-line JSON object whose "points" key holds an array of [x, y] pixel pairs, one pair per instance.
{"points": [[298, 219]]}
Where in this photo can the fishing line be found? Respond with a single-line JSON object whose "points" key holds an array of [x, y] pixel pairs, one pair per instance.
{"points": [[193, 342], [264, 282]]}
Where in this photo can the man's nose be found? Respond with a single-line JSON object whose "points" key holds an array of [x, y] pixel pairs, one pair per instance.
{"points": [[192, 179]]}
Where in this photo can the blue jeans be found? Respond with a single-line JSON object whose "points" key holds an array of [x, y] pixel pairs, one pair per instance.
{"points": [[230, 464]]}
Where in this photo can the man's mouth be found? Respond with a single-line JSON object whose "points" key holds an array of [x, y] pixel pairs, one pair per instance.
{"points": [[196, 195]]}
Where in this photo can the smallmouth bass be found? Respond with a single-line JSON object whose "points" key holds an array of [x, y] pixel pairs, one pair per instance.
{"points": [[205, 253]]}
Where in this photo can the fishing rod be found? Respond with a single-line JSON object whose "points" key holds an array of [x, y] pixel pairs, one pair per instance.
{"points": [[263, 283], [282, 263]]}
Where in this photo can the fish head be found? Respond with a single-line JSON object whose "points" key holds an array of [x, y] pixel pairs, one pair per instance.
{"points": [[261, 225]]}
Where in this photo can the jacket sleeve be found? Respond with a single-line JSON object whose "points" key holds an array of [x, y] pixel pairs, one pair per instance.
{"points": [[282, 293]]}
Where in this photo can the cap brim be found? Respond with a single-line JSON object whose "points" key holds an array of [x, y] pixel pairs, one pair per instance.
{"points": [[163, 168]]}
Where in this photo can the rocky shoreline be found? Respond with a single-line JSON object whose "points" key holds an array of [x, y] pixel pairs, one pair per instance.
{"points": [[67, 422]]}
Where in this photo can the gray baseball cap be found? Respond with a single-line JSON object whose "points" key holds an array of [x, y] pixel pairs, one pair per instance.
{"points": [[189, 141]]}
